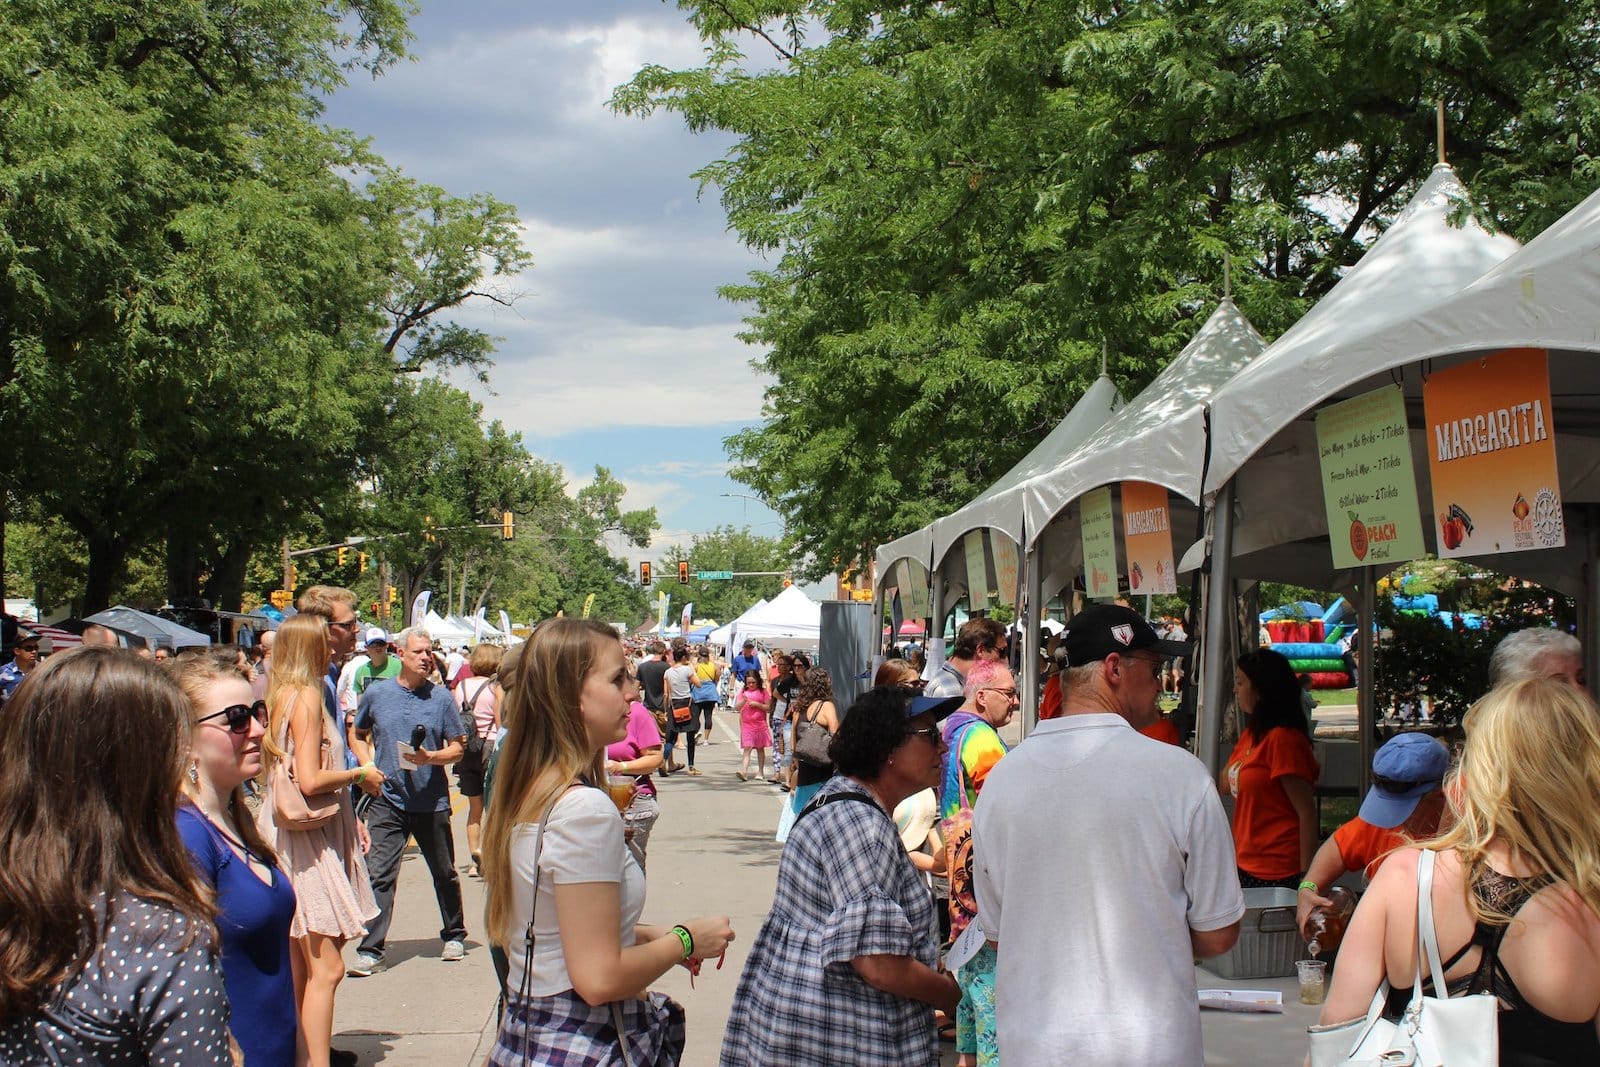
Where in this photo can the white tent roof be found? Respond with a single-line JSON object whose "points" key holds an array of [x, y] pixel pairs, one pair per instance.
{"points": [[1160, 436], [722, 635], [1546, 295], [1000, 507], [153, 629], [1419, 261], [916, 546], [443, 630], [789, 616]]}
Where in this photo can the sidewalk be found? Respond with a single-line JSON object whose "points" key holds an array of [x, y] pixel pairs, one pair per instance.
{"points": [[712, 852]]}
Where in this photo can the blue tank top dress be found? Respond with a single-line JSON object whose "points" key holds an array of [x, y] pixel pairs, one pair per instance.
{"points": [[253, 922]]}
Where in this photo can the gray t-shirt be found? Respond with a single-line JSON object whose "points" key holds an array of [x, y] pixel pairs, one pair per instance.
{"points": [[946, 682], [679, 681], [392, 713]]}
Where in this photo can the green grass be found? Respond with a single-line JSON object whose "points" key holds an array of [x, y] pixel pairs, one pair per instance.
{"points": [[1334, 696]]}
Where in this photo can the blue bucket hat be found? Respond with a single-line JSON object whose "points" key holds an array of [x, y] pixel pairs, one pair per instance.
{"points": [[1407, 768]]}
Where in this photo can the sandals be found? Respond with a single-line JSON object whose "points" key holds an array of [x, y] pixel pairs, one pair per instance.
{"points": [[694, 771], [743, 777]]}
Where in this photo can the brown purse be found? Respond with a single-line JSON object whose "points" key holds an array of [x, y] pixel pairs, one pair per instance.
{"points": [[292, 809]]}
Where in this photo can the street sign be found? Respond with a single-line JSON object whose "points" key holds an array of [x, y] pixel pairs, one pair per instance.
{"points": [[714, 576]]}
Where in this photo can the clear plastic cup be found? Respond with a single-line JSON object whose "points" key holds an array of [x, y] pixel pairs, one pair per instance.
{"points": [[623, 788], [1313, 975]]}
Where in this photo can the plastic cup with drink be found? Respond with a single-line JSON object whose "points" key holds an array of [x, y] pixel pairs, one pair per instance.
{"points": [[1313, 975], [623, 788]]}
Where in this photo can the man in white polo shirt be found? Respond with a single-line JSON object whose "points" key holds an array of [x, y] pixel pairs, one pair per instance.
{"points": [[1105, 858]]}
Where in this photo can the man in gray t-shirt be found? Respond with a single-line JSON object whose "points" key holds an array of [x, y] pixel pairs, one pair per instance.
{"points": [[415, 801]]}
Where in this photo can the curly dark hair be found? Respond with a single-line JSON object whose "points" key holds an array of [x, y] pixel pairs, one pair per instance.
{"points": [[815, 685], [1277, 692], [873, 728]]}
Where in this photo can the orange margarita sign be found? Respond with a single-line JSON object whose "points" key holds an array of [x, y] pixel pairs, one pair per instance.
{"points": [[1492, 455], [1147, 538]]}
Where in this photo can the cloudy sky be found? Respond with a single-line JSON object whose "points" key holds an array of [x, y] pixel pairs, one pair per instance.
{"points": [[618, 351]]}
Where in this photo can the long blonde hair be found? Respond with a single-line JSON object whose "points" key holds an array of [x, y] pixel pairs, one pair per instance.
{"points": [[546, 746], [195, 675], [1528, 779], [299, 662]]}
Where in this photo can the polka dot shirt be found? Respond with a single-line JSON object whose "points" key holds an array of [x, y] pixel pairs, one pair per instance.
{"points": [[143, 999]]}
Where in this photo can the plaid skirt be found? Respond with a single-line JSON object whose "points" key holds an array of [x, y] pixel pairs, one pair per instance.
{"points": [[565, 1031]]}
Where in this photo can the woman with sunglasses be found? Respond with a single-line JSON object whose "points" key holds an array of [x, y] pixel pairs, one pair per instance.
{"points": [[845, 969], [325, 863], [255, 902]]}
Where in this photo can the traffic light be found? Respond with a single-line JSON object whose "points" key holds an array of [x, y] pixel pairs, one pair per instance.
{"points": [[644, 573], [508, 526], [343, 554], [683, 571], [361, 559], [427, 533], [389, 595]]}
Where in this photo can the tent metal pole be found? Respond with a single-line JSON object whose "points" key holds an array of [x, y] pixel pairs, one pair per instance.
{"points": [[1033, 578], [1366, 681], [1215, 643], [1589, 609], [935, 629]]}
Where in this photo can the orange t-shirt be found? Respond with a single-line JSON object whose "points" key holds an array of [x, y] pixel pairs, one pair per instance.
{"points": [[1266, 830], [1163, 730], [1050, 702], [1363, 845]]}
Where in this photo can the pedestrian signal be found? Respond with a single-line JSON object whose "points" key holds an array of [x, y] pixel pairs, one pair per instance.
{"points": [[644, 574], [683, 572]]}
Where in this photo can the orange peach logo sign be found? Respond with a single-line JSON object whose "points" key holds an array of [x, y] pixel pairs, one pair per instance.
{"points": [[1492, 455], [1147, 538]]}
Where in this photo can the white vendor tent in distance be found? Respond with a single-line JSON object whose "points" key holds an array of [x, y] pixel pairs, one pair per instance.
{"points": [[789, 618]]}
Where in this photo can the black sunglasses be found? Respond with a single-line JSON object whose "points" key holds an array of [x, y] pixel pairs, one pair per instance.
{"points": [[239, 716], [929, 732]]}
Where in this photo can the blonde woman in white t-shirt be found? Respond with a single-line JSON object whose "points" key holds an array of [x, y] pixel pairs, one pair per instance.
{"points": [[565, 894]]}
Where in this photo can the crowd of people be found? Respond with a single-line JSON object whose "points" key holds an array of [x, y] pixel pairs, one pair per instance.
{"points": [[1044, 902]]}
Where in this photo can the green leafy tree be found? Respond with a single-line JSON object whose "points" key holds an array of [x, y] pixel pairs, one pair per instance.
{"points": [[726, 548], [963, 202]]}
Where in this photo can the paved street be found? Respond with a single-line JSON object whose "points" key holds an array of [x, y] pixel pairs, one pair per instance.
{"points": [[712, 851]]}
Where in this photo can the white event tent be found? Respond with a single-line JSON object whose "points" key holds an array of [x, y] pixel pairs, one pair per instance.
{"points": [[1263, 481], [446, 631], [791, 617], [931, 553]]}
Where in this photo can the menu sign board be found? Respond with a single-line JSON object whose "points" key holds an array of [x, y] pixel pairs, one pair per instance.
{"points": [[1492, 455], [1369, 484]]}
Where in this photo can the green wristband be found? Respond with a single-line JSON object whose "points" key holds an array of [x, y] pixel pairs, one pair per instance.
{"points": [[686, 939], [1309, 884]]}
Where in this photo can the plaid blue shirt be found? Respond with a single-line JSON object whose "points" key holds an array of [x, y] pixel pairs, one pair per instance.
{"points": [[845, 889]]}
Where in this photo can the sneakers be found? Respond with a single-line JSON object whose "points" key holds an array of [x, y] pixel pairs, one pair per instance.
{"points": [[365, 966], [454, 952]]}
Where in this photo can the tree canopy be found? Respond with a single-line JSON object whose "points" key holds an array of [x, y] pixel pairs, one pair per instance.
{"points": [[965, 203], [220, 320]]}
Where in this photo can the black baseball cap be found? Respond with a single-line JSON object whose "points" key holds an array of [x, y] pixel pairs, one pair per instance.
{"points": [[1101, 629]]}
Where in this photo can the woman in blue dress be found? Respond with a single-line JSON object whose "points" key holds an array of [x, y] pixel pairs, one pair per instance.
{"points": [[255, 902]]}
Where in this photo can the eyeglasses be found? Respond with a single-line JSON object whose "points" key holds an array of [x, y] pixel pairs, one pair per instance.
{"points": [[352, 624], [239, 716], [1009, 691], [931, 733], [1154, 664], [916, 685]]}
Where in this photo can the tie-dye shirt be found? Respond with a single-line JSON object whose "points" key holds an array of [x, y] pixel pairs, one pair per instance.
{"points": [[978, 746]]}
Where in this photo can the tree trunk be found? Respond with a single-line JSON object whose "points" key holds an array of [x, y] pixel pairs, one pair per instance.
{"points": [[183, 563], [107, 555], [225, 585], [483, 595]]}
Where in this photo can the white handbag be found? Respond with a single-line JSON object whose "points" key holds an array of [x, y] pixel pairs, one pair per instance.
{"points": [[1435, 1031]]}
